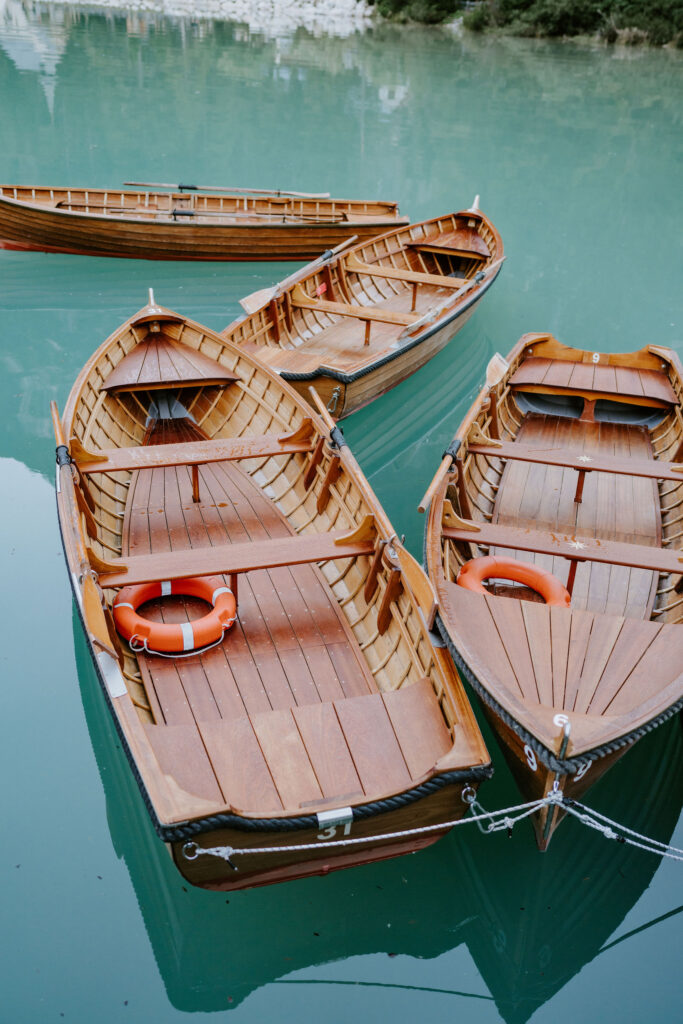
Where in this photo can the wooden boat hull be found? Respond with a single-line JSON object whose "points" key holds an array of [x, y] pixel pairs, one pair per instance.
{"points": [[557, 462], [34, 226], [211, 872], [345, 395], [325, 711], [356, 323], [536, 781]]}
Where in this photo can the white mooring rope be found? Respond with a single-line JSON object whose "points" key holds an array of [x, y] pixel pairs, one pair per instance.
{"points": [[504, 818]]}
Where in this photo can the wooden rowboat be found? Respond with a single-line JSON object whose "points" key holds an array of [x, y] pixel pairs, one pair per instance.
{"points": [[356, 323], [569, 461], [182, 225], [325, 712]]}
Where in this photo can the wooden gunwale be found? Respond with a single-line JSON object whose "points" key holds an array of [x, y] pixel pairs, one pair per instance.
{"points": [[611, 664], [149, 230], [307, 647], [324, 324]]}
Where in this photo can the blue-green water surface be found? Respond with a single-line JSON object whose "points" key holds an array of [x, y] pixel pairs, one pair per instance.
{"points": [[576, 152]]}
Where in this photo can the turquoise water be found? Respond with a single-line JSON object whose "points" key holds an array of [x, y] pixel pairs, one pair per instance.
{"points": [[576, 153]]}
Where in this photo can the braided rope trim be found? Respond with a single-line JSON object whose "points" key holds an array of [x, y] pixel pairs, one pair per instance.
{"points": [[189, 829], [562, 766], [349, 378]]}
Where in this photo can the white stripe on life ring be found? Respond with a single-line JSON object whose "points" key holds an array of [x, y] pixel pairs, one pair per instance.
{"points": [[188, 635], [166, 588], [124, 604], [219, 590]]}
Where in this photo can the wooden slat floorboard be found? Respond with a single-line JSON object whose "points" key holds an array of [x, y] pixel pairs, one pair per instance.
{"points": [[419, 726], [328, 751], [240, 766], [181, 754], [372, 743], [287, 759]]}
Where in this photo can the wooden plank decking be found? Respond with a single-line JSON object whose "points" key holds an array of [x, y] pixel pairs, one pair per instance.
{"points": [[551, 659], [285, 713], [618, 508]]}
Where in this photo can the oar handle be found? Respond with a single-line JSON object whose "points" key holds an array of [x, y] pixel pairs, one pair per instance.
{"points": [[322, 408], [441, 472]]}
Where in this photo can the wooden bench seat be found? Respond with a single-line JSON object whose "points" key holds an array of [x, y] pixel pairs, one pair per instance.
{"points": [[306, 757], [357, 266], [369, 313], [584, 463], [576, 549], [193, 454], [593, 381], [233, 559]]}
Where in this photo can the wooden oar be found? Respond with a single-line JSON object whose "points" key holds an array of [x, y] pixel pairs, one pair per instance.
{"points": [[228, 188], [435, 311], [444, 468], [57, 425], [322, 408], [250, 303]]}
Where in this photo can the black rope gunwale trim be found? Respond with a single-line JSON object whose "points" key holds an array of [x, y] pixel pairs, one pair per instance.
{"points": [[190, 829], [349, 378], [562, 766]]}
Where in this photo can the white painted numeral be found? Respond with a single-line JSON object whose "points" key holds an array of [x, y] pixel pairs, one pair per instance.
{"points": [[530, 758], [596, 357], [329, 833]]}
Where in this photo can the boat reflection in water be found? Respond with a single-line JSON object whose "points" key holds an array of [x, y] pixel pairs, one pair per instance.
{"points": [[529, 923]]}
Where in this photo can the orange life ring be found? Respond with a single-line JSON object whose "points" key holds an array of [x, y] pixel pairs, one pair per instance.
{"points": [[173, 637], [474, 572]]}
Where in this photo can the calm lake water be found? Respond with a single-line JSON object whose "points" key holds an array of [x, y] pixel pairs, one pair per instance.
{"points": [[576, 153]]}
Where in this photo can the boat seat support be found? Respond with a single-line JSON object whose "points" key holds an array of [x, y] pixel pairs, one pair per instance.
{"points": [[194, 453], [233, 559], [581, 462], [576, 549]]}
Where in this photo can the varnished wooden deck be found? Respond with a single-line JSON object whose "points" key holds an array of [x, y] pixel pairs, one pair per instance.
{"points": [[284, 714], [340, 343], [614, 507]]}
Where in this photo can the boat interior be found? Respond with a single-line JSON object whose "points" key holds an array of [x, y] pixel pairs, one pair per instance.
{"points": [[570, 461], [205, 207], [194, 461], [371, 300]]}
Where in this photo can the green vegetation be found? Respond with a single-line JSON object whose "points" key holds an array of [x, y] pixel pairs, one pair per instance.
{"points": [[656, 22], [630, 21]]}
